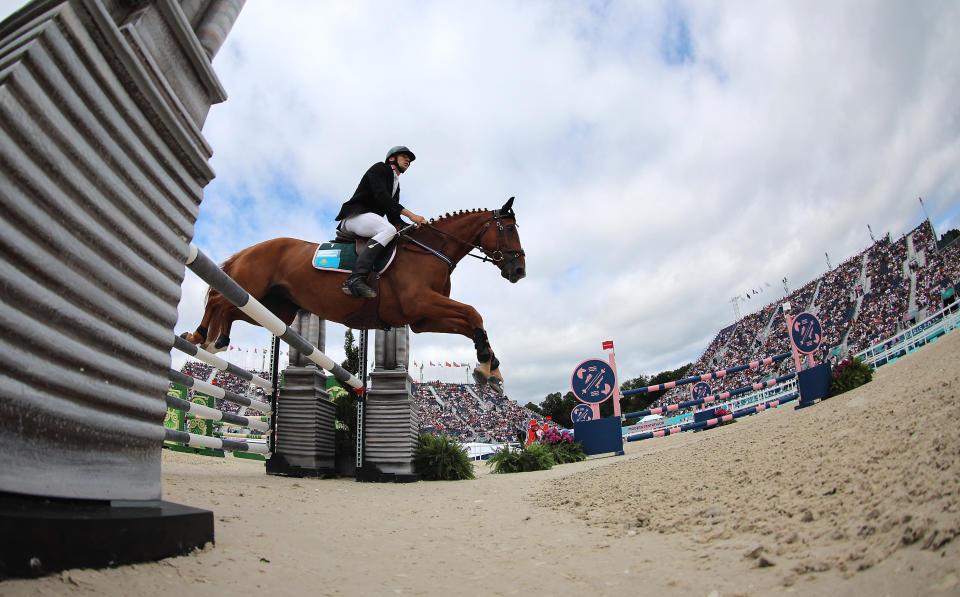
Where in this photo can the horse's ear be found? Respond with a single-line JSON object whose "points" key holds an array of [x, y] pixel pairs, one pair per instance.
{"points": [[508, 206]]}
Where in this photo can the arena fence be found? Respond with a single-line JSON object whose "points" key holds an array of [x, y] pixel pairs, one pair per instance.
{"points": [[898, 345]]}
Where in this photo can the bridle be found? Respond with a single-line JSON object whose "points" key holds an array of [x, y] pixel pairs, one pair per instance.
{"points": [[495, 256]]}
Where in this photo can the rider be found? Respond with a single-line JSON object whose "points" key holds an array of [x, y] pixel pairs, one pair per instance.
{"points": [[374, 212]]}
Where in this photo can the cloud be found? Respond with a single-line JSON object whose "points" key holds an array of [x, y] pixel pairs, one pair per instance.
{"points": [[665, 156]]}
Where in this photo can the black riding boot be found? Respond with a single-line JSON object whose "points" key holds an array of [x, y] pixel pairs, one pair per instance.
{"points": [[356, 284]]}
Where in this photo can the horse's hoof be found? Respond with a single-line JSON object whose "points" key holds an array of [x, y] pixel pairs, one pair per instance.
{"points": [[479, 377], [496, 384]]}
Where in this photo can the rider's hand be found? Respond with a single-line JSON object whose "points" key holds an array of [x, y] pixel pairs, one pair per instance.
{"points": [[417, 219]]}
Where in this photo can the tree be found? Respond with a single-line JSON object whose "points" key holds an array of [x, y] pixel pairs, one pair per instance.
{"points": [[534, 407], [948, 237], [558, 408], [352, 363]]}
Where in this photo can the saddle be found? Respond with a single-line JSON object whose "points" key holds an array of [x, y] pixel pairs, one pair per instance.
{"points": [[340, 255]]}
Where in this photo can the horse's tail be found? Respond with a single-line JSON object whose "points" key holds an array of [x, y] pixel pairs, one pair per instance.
{"points": [[227, 266]]}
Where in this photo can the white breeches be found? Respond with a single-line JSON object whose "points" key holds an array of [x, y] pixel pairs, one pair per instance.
{"points": [[370, 225]]}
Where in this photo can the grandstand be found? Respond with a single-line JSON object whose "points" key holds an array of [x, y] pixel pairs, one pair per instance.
{"points": [[462, 411], [469, 413], [868, 298]]}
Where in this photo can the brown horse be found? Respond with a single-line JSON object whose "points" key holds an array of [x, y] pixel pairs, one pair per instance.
{"points": [[414, 291]]}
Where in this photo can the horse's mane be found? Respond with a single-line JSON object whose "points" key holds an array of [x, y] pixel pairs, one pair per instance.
{"points": [[456, 214]]}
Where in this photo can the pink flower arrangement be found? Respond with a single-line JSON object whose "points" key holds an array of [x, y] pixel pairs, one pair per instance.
{"points": [[553, 436], [841, 367]]}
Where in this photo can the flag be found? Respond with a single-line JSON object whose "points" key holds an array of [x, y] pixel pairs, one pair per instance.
{"points": [[608, 345], [431, 363], [448, 364], [463, 364]]}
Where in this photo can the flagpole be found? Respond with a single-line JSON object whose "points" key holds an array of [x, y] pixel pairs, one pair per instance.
{"points": [[929, 221]]}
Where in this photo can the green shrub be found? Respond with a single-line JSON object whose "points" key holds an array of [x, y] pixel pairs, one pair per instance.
{"points": [[535, 457], [345, 440], [439, 458], [564, 452], [848, 375]]}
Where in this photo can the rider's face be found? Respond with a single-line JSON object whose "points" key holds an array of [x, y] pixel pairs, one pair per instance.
{"points": [[403, 162]]}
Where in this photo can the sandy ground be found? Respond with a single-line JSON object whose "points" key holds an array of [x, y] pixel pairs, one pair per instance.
{"points": [[857, 495]]}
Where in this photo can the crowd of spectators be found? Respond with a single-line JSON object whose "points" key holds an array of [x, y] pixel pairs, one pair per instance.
{"points": [[860, 302], [940, 271], [469, 413], [463, 411], [887, 299]]}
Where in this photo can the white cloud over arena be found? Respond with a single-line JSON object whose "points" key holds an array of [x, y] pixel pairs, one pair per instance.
{"points": [[666, 156]]}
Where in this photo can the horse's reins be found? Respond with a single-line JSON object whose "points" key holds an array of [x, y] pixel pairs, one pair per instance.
{"points": [[495, 256]]}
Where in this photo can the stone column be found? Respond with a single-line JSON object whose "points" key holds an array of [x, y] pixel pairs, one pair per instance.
{"points": [[391, 422], [102, 170], [305, 413]]}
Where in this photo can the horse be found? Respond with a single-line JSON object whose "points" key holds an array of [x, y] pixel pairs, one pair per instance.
{"points": [[414, 290]]}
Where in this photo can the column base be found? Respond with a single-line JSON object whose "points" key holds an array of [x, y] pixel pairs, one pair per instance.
{"points": [[370, 473], [45, 535]]}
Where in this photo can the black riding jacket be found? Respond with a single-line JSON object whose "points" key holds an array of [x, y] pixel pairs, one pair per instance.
{"points": [[374, 195]]}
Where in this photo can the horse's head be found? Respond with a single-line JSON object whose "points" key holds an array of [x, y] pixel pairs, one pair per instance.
{"points": [[501, 243]]}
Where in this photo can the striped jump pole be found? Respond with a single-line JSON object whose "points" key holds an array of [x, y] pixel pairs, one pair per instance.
{"points": [[216, 391], [712, 422], [217, 443], [212, 414], [706, 376], [721, 396], [209, 272], [215, 361]]}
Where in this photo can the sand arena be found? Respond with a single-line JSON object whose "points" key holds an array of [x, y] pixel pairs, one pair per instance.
{"points": [[854, 496]]}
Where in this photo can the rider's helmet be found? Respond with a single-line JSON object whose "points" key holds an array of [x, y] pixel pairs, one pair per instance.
{"points": [[400, 149]]}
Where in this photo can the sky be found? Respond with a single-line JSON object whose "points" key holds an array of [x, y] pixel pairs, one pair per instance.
{"points": [[666, 156]]}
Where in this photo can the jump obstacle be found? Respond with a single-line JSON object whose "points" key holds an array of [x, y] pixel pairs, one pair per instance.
{"points": [[204, 412], [215, 361], [210, 441], [707, 424], [209, 272], [594, 433], [383, 457], [707, 376], [712, 398]]}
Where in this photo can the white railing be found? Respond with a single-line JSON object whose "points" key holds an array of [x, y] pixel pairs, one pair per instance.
{"points": [[898, 345]]}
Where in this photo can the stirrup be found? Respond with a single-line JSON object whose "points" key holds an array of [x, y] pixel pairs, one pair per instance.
{"points": [[355, 286]]}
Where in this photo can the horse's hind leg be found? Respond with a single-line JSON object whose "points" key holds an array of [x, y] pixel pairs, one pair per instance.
{"points": [[221, 315], [199, 335]]}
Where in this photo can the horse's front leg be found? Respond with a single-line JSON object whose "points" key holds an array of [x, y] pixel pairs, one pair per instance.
{"points": [[445, 315]]}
